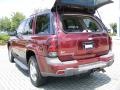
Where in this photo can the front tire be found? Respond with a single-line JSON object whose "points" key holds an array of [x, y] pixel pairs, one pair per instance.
{"points": [[35, 75], [11, 57]]}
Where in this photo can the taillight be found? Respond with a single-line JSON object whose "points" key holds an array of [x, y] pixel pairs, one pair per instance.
{"points": [[110, 43], [52, 47]]}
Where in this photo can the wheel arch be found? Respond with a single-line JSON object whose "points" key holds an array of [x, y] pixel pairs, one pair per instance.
{"points": [[34, 51], [8, 45], [29, 53]]}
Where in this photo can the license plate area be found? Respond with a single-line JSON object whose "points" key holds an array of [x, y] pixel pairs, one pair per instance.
{"points": [[88, 45]]}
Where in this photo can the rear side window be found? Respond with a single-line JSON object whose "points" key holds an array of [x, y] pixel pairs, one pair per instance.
{"points": [[28, 26], [80, 24], [25, 28], [21, 27], [43, 24]]}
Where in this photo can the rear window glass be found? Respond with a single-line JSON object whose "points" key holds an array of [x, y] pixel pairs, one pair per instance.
{"points": [[80, 24], [90, 24]]}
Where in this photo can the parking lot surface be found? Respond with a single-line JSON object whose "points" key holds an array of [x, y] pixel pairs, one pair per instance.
{"points": [[14, 78]]}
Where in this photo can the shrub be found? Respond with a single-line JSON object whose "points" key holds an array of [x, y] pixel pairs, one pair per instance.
{"points": [[4, 38]]}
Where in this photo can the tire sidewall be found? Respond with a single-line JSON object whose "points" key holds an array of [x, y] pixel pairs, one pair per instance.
{"points": [[40, 80], [11, 58]]}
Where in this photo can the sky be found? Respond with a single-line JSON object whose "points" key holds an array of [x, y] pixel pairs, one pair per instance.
{"points": [[7, 7], [108, 13]]}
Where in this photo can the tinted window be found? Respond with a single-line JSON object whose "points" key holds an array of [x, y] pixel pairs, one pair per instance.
{"points": [[80, 24], [28, 27], [20, 29], [43, 24]]}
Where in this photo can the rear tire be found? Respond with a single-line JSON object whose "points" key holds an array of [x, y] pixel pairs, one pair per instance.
{"points": [[34, 72], [11, 57]]}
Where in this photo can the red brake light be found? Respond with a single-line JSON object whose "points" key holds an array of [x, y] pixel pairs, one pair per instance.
{"points": [[52, 47]]}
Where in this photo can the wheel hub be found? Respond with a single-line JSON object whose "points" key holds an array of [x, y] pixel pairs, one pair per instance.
{"points": [[33, 71]]}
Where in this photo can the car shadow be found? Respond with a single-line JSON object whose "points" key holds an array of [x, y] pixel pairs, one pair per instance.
{"points": [[77, 83]]}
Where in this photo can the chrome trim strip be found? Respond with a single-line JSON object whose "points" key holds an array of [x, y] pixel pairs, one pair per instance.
{"points": [[21, 64]]}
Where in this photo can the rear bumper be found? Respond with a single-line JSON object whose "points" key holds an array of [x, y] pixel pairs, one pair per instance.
{"points": [[69, 68]]}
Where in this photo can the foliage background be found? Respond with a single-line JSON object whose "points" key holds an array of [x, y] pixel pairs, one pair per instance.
{"points": [[10, 24]]}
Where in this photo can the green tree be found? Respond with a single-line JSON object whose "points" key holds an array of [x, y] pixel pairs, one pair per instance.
{"points": [[114, 27], [10, 24], [5, 24], [17, 17]]}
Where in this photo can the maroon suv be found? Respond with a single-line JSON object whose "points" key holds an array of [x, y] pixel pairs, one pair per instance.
{"points": [[66, 40]]}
